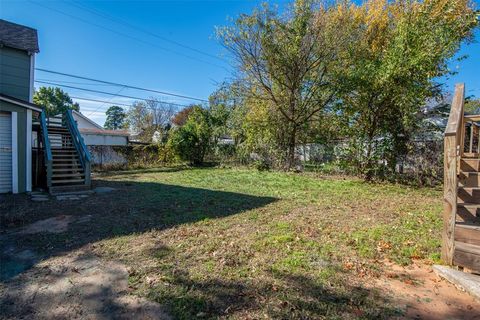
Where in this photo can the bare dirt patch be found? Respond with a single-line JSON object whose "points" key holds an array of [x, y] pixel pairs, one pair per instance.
{"points": [[56, 224], [424, 295], [75, 286]]}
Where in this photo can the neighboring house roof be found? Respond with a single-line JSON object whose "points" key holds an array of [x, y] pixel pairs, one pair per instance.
{"points": [[22, 103], [87, 119], [17, 36], [104, 132]]}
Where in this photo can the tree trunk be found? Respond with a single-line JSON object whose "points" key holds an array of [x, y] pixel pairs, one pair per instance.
{"points": [[292, 142]]}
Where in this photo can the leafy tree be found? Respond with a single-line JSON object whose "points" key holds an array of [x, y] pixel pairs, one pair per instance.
{"points": [[181, 117], [472, 105], [221, 106], [284, 62], [162, 112], [192, 141], [140, 121], [54, 100], [116, 118], [395, 52]]}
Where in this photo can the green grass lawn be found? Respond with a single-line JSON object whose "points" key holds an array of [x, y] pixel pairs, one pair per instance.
{"points": [[214, 243]]}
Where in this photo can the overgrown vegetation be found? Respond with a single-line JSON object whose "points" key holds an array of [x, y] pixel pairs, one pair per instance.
{"points": [[246, 244], [355, 79]]}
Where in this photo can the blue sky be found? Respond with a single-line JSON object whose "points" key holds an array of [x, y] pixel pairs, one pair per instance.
{"points": [[96, 39]]}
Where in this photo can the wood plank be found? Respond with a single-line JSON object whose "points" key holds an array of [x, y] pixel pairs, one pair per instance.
{"points": [[467, 260], [452, 151], [450, 198], [469, 179], [467, 247], [473, 117], [456, 111], [467, 164], [468, 195], [467, 255], [467, 233], [468, 213]]}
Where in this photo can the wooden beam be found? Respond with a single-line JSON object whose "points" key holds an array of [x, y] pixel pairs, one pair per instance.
{"points": [[449, 198], [453, 151], [456, 111], [473, 117]]}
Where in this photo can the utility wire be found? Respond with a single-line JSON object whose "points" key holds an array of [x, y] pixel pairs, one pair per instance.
{"points": [[124, 34], [103, 101], [75, 82], [128, 24], [121, 85], [107, 93]]}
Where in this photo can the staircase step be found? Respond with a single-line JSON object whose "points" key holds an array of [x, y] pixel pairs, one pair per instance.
{"points": [[68, 181], [64, 151], [73, 165], [467, 233], [469, 179], [56, 190], [467, 164], [468, 195], [79, 169], [64, 175], [65, 155], [467, 255], [468, 212], [70, 159], [471, 155]]}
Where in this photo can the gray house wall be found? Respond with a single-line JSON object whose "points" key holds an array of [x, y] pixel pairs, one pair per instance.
{"points": [[15, 73], [15, 82], [21, 138]]}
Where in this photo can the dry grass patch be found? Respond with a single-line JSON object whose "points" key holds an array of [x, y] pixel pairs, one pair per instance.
{"points": [[245, 244]]}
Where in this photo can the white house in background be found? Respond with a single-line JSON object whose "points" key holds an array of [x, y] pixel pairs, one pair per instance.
{"points": [[95, 135]]}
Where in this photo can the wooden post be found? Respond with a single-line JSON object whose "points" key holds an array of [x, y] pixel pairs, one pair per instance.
{"points": [[471, 138], [449, 198], [453, 151]]}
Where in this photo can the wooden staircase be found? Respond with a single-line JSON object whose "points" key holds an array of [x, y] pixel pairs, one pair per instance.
{"points": [[67, 159], [461, 236]]}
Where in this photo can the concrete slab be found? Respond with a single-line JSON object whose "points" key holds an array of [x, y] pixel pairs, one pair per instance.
{"points": [[73, 193], [103, 189], [467, 282]]}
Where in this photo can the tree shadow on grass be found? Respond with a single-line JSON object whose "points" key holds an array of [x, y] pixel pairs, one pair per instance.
{"points": [[171, 169], [133, 207], [291, 296]]}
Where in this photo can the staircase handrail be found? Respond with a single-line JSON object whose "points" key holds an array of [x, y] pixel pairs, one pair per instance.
{"points": [[84, 155], [47, 149]]}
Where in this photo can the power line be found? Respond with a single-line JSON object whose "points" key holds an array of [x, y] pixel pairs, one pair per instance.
{"points": [[107, 93], [121, 85], [103, 101], [126, 23], [125, 35], [75, 82]]}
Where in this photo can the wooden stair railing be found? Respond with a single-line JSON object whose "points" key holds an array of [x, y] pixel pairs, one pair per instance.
{"points": [[461, 219], [82, 150], [67, 160], [47, 149]]}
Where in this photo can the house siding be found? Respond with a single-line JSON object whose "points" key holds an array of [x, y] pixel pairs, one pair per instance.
{"points": [[92, 139], [21, 139], [82, 123], [15, 73]]}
